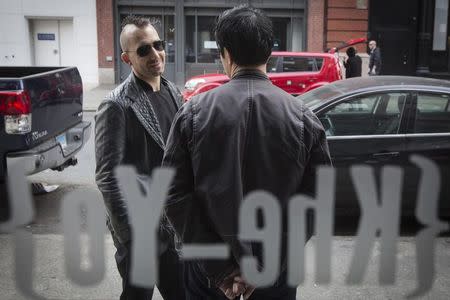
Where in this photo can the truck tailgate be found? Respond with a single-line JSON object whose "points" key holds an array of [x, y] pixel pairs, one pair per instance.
{"points": [[56, 96]]}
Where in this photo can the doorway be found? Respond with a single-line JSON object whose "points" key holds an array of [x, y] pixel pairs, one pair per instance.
{"points": [[53, 42], [394, 25]]}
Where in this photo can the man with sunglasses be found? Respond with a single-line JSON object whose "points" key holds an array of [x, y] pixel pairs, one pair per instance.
{"points": [[132, 125]]}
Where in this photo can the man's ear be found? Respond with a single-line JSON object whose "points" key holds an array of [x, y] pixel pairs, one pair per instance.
{"points": [[227, 57], [125, 58]]}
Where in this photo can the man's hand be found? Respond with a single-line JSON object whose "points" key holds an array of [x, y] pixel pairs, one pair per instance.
{"points": [[234, 286]]}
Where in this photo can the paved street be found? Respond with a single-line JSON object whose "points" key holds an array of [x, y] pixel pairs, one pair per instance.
{"points": [[50, 279]]}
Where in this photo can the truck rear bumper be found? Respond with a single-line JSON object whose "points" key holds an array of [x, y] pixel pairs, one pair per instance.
{"points": [[55, 152]]}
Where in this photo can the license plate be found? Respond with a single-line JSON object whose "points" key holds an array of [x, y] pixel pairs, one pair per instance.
{"points": [[61, 139]]}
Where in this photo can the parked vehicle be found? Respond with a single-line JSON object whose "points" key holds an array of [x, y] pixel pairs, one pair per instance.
{"points": [[41, 118], [383, 120], [294, 72]]}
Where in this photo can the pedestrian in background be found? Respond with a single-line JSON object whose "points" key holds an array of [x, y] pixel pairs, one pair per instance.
{"points": [[131, 127], [375, 59], [353, 64]]}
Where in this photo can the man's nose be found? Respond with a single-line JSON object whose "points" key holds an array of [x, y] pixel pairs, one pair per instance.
{"points": [[153, 52]]}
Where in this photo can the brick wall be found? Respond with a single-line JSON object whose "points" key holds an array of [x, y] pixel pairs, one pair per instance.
{"points": [[345, 21], [105, 33], [315, 26]]}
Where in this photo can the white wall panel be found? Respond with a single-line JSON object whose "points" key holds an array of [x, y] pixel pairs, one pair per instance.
{"points": [[15, 16]]}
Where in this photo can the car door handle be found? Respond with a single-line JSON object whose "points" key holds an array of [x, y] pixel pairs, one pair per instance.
{"points": [[386, 154]]}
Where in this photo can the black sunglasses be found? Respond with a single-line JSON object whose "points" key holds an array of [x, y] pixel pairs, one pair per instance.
{"points": [[145, 49]]}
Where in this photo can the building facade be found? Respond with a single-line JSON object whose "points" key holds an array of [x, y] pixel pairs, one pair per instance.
{"points": [[50, 33], [413, 35], [187, 26]]}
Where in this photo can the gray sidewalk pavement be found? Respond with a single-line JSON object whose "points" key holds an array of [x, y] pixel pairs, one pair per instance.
{"points": [[51, 281], [94, 95]]}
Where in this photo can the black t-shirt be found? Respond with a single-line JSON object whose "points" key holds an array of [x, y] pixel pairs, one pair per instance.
{"points": [[163, 105]]}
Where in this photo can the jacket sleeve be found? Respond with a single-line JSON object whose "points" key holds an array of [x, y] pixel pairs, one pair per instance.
{"points": [[371, 61], [181, 196], [317, 149], [110, 134], [176, 156], [377, 61]]}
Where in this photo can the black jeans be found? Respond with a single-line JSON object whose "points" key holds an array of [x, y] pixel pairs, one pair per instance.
{"points": [[170, 283], [196, 287]]}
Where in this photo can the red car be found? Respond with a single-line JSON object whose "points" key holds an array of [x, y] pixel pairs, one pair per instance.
{"points": [[294, 72]]}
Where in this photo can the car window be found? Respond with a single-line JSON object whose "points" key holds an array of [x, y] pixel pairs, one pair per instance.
{"points": [[298, 64], [373, 114], [319, 63], [355, 106], [432, 113], [272, 64]]}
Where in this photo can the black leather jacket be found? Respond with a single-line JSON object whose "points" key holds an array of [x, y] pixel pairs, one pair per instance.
{"points": [[243, 136], [126, 132], [375, 61]]}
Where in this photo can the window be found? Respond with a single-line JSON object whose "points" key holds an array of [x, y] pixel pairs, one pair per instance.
{"points": [[206, 42], [432, 113], [319, 62], [373, 114], [272, 64], [201, 44], [169, 36], [281, 27], [190, 39], [299, 64], [440, 25]]}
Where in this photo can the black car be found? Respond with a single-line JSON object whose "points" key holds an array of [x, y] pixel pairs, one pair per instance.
{"points": [[383, 120]]}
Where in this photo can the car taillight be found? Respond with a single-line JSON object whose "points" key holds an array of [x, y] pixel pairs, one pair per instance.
{"points": [[15, 106]]}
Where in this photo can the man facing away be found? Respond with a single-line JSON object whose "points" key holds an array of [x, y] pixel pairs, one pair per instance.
{"points": [[131, 128], [375, 59], [352, 64], [243, 136]]}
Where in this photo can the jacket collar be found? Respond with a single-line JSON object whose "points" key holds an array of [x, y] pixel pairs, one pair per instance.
{"points": [[143, 109], [250, 74]]}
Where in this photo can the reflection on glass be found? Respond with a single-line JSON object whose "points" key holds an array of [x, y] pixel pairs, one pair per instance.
{"points": [[207, 48], [280, 31], [169, 36], [190, 39]]}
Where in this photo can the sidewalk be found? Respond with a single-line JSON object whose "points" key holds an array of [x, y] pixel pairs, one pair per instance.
{"points": [[93, 96], [51, 281]]}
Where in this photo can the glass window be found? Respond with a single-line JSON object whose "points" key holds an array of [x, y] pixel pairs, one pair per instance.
{"points": [[206, 43], [272, 64], [373, 114], [190, 39], [432, 103], [440, 25], [319, 62], [169, 36], [298, 64], [280, 32], [432, 114]]}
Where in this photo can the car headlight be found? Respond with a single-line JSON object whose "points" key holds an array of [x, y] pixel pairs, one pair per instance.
{"points": [[191, 84]]}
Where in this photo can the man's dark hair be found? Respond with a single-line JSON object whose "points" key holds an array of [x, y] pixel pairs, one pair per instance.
{"points": [[246, 33], [138, 21], [351, 52]]}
